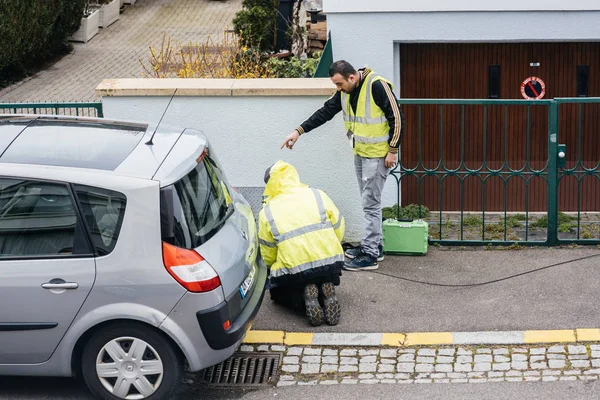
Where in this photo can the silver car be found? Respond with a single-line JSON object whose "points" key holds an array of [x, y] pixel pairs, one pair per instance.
{"points": [[125, 256]]}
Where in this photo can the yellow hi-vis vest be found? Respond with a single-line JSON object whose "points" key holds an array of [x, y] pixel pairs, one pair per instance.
{"points": [[369, 125]]}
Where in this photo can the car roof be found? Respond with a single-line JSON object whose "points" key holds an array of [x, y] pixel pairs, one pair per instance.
{"points": [[125, 148]]}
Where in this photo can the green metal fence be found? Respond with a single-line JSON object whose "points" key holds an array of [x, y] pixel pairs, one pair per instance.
{"points": [[503, 175], [81, 109]]}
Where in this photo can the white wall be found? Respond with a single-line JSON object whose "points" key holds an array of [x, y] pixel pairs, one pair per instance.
{"points": [[247, 132], [369, 38], [331, 6]]}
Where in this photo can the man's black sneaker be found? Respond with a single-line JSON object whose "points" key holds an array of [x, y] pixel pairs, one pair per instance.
{"points": [[314, 312], [354, 252], [331, 304], [363, 262]]}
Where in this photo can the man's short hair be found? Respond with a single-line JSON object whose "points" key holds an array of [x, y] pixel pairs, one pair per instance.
{"points": [[342, 67]]}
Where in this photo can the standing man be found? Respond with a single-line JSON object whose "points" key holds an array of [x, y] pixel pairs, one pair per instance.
{"points": [[373, 122]]}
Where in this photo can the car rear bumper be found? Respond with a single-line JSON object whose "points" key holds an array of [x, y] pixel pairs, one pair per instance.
{"points": [[211, 321]]}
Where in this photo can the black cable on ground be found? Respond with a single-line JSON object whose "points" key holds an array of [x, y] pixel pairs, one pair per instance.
{"points": [[489, 282]]}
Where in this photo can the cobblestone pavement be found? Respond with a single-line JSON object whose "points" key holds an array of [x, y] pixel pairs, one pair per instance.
{"points": [[116, 50], [468, 364]]}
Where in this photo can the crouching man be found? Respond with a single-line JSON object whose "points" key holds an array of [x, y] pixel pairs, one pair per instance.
{"points": [[300, 233]]}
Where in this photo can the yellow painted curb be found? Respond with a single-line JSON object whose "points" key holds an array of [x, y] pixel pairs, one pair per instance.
{"points": [[423, 338], [557, 336], [298, 338], [429, 338], [588, 335], [393, 339], [271, 337]]}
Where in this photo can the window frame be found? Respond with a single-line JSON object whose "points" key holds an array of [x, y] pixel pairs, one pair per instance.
{"points": [[83, 238], [167, 206], [87, 228]]}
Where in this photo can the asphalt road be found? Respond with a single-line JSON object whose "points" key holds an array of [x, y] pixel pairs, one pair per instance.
{"points": [[561, 297], [67, 389]]}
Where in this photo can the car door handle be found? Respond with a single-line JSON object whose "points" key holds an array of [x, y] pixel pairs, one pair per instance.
{"points": [[60, 285]]}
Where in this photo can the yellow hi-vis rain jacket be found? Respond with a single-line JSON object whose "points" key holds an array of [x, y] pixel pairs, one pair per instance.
{"points": [[300, 229]]}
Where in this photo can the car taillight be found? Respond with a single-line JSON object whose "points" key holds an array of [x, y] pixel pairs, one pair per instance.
{"points": [[190, 269]]}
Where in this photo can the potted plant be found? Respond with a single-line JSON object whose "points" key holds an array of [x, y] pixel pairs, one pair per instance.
{"points": [[90, 23], [109, 12]]}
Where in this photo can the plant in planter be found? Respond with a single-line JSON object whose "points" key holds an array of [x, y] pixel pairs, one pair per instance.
{"points": [[109, 11], [90, 22]]}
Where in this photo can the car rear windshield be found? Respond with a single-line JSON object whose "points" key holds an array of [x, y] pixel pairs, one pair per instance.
{"points": [[194, 208]]}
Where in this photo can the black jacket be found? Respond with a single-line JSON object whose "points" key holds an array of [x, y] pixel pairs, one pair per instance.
{"points": [[383, 97]]}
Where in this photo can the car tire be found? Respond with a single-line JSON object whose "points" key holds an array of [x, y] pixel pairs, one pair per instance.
{"points": [[146, 363]]}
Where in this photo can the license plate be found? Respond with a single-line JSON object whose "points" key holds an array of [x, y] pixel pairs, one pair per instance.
{"points": [[247, 284]]}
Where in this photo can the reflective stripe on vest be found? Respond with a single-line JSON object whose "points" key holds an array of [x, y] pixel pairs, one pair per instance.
{"points": [[371, 140], [369, 133], [339, 223], [367, 118], [364, 120], [268, 244], [324, 224]]}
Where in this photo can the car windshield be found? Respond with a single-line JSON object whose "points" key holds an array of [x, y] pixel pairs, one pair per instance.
{"points": [[194, 208]]}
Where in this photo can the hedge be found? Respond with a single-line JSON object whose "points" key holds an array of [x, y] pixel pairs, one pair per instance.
{"points": [[33, 31]]}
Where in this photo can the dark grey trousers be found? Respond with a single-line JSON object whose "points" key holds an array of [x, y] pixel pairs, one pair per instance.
{"points": [[371, 174]]}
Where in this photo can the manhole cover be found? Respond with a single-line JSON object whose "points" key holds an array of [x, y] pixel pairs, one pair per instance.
{"points": [[243, 369]]}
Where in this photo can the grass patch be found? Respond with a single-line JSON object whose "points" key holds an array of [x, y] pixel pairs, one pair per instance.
{"points": [[514, 221], [562, 219], [472, 220], [566, 227], [494, 228], [449, 224]]}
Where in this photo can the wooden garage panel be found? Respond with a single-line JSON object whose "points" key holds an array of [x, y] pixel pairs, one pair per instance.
{"points": [[440, 135]]}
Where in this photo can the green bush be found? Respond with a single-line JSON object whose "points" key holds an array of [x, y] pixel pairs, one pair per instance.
{"points": [[256, 23], [294, 67], [411, 211], [33, 31]]}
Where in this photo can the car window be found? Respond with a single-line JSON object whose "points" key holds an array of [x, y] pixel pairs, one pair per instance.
{"points": [[81, 145], [194, 208], [103, 211], [38, 219]]}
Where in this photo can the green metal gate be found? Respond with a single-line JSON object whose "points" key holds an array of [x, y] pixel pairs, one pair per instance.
{"points": [[582, 112], [535, 191], [80, 109]]}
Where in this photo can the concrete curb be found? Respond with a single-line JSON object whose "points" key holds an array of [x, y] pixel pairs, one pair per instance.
{"points": [[422, 338]]}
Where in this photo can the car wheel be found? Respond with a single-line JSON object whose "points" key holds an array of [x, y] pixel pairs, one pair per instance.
{"points": [[128, 361]]}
